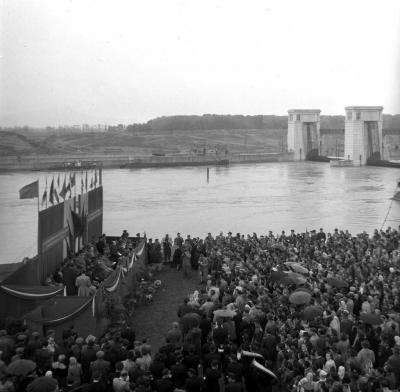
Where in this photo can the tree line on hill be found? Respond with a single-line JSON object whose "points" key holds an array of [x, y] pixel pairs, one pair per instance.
{"points": [[219, 121]]}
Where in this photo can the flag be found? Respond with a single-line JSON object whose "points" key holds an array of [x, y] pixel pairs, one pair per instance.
{"points": [[69, 190], [44, 197], [29, 191], [82, 186], [95, 177], [56, 195], [58, 181], [72, 180], [64, 190], [78, 224], [91, 183], [100, 175], [51, 192]]}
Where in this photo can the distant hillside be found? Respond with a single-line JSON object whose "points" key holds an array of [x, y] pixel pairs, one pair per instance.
{"points": [[219, 121], [176, 134]]}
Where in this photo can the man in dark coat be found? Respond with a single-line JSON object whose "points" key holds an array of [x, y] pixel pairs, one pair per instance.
{"points": [[69, 277], [101, 366]]}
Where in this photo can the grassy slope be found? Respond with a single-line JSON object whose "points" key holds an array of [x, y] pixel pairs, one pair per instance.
{"points": [[143, 142]]}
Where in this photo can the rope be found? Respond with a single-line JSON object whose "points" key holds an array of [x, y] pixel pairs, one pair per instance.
{"points": [[390, 207]]}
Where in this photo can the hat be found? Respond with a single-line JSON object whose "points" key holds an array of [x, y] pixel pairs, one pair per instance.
{"points": [[100, 354], [42, 384]]}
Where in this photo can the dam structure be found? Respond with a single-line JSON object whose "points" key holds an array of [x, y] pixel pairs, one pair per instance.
{"points": [[303, 137], [363, 135]]}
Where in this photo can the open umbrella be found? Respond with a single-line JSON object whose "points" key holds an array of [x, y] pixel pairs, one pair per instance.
{"points": [[300, 297], [189, 321], [296, 267], [277, 275], [372, 319], [304, 289], [249, 354], [311, 312], [21, 367], [224, 313], [293, 278], [263, 369], [336, 282]]}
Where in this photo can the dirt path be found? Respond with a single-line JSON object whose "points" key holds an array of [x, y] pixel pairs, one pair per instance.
{"points": [[152, 322]]}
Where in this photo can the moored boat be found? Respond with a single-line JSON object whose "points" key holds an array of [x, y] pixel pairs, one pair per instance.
{"points": [[341, 163]]}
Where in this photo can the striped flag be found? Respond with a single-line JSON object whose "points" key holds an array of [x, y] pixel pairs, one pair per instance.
{"points": [[29, 191], [64, 189], [44, 197], [51, 192]]}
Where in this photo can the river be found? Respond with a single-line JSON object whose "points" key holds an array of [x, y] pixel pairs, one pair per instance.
{"points": [[239, 198]]}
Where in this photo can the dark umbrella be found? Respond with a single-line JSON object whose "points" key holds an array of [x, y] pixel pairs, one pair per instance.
{"points": [[43, 384], [296, 267], [277, 275], [293, 278], [372, 319], [311, 312], [21, 367], [300, 298], [263, 369], [304, 290], [336, 282], [189, 321]]}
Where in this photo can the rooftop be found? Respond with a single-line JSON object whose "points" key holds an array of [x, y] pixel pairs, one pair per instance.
{"points": [[305, 111], [364, 108]]}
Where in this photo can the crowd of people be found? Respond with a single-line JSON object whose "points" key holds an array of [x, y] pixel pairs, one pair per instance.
{"points": [[288, 312]]}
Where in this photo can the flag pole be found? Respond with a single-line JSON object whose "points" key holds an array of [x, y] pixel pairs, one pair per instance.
{"points": [[38, 196], [39, 253]]}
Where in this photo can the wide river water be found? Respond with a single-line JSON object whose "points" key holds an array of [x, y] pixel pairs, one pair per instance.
{"points": [[239, 198]]}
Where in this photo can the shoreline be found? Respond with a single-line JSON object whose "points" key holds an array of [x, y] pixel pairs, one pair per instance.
{"points": [[56, 162]]}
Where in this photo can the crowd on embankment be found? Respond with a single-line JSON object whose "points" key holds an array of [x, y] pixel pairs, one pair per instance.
{"points": [[288, 312]]}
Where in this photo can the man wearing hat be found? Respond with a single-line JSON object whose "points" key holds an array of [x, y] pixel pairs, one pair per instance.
{"points": [[101, 366]]}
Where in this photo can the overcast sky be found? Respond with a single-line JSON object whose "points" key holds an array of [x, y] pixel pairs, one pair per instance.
{"points": [[77, 61]]}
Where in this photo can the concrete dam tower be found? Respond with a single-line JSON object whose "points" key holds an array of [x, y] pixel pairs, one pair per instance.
{"points": [[304, 134], [363, 134]]}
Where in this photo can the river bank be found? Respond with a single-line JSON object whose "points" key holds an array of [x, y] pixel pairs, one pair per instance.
{"points": [[59, 162]]}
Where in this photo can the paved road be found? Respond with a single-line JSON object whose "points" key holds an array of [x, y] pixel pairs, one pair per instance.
{"points": [[152, 322]]}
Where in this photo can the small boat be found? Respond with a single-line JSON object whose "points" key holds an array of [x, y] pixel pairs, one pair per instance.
{"points": [[338, 162], [341, 163]]}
